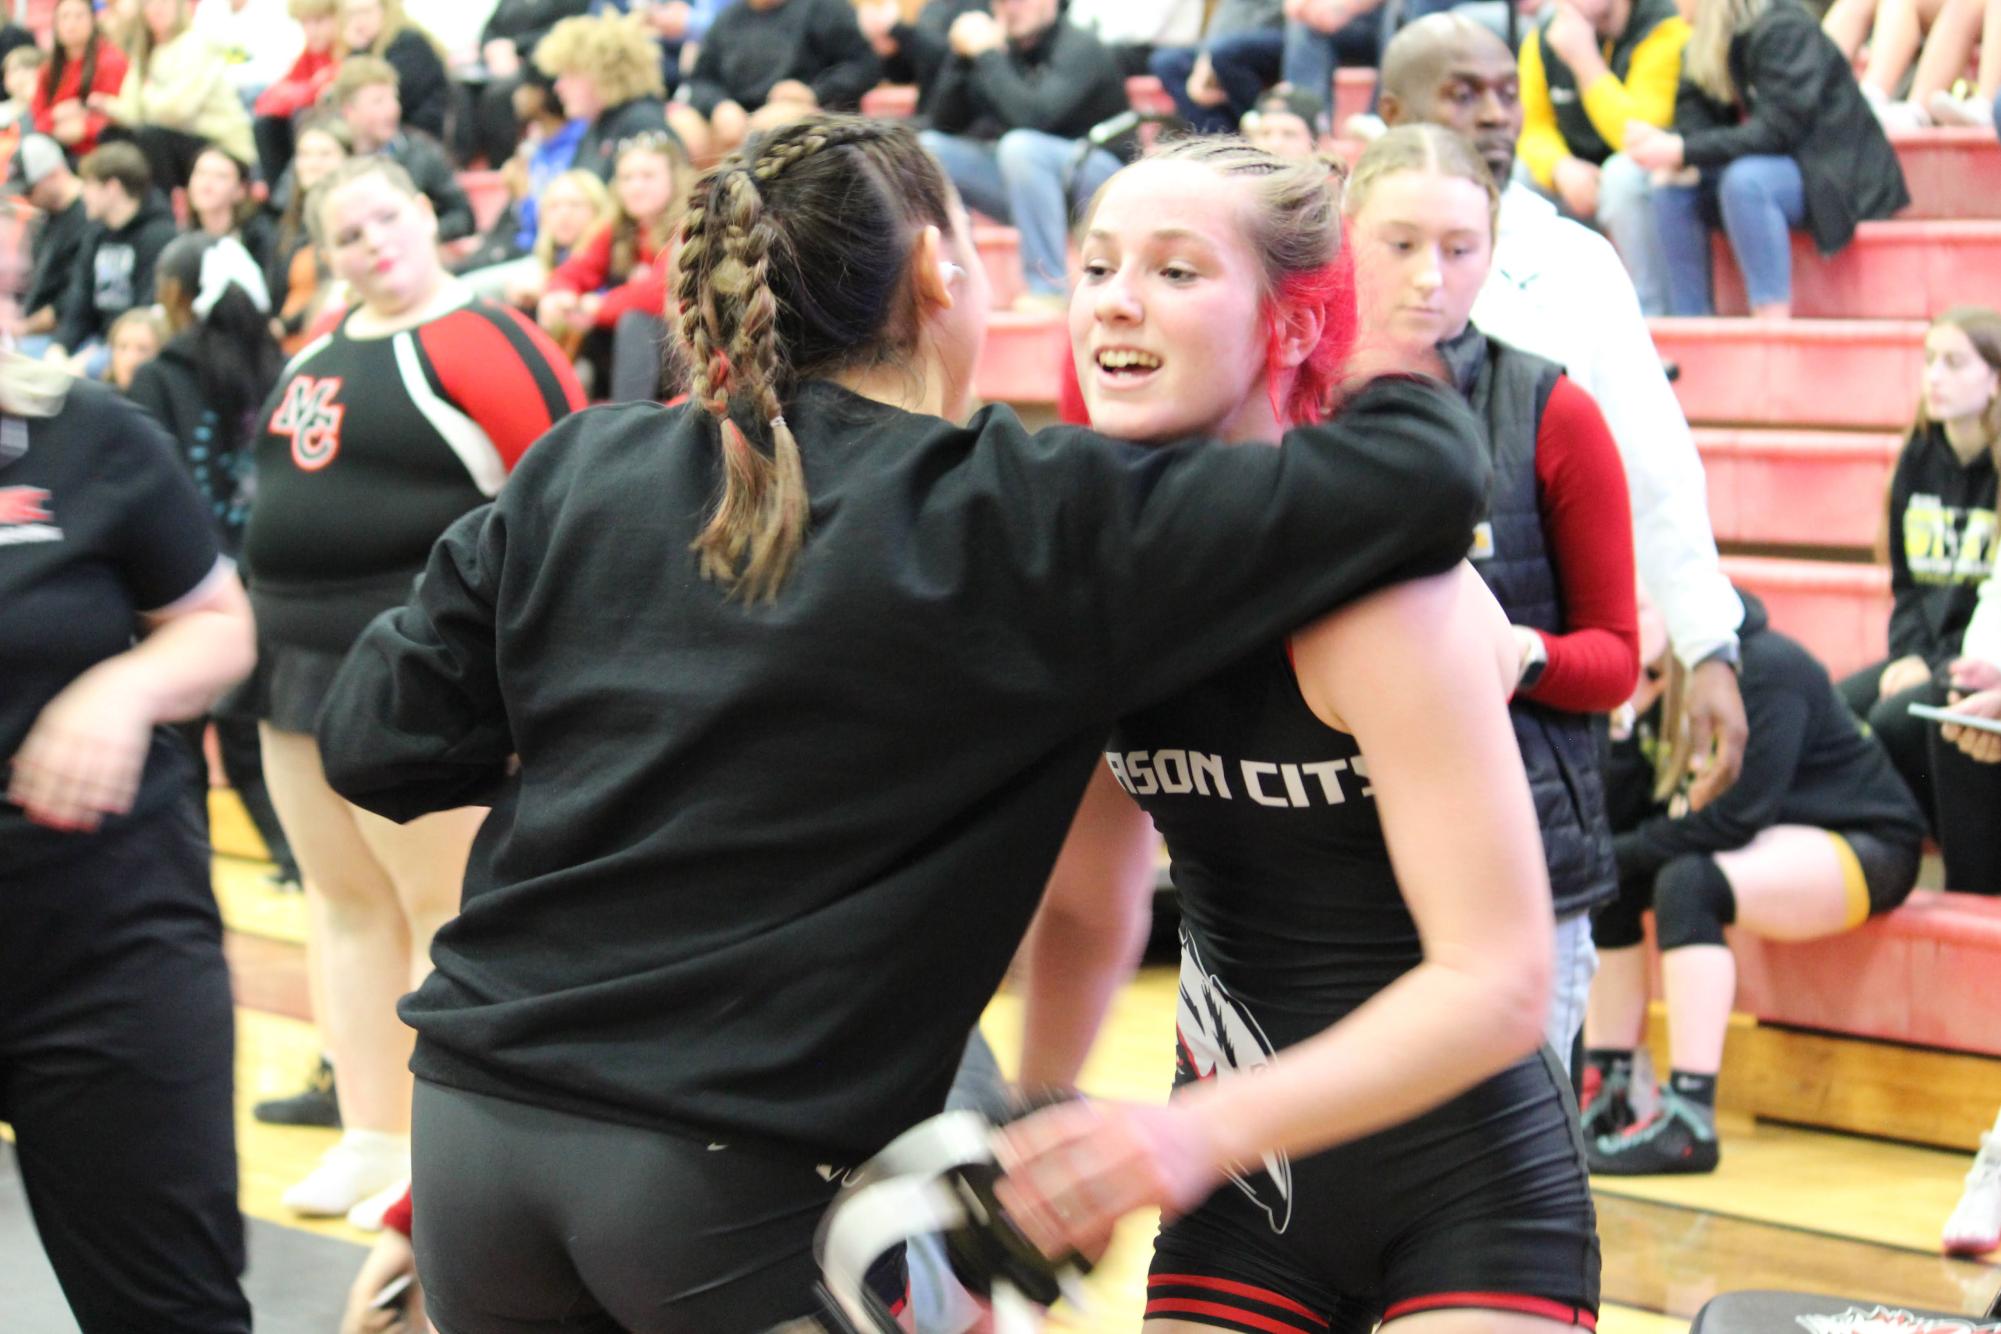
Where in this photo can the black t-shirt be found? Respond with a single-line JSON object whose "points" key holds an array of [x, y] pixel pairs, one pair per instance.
{"points": [[98, 523]]}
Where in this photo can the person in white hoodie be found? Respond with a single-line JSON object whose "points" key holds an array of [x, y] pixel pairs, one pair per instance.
{"points": [[1558, 290], [258, 39]]}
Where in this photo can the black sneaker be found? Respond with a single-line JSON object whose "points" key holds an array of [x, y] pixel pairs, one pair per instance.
{"points": [[1608, 1105], [1680, 1137], [313, 1106]]}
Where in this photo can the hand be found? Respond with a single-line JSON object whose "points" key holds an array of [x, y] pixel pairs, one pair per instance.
{"points": [[524, 292], [101, 102], [1577, 186], [84, 756], [1979, 745], [1652, 147], [974, 34], [1571, 36], [588, 306], [1330, 16], [1203, 87], [68, 123], [501, 57], [730, 122], [1075, 1169], [791, 90], [556, 312], [1971, 674], [1903, 674], [1527, 641], [1716, 731], [389, 1260]]}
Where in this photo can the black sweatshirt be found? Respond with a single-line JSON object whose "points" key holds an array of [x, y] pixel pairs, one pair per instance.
{"points": [[113, 273], [762, 867], [1807, 762], [923, 45], [58, 242], [1942, 535], [818, 42], [1062, 81]]}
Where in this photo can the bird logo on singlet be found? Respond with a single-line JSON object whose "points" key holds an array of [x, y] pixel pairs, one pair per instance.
{"points": [[25, 516], [311, 417], [1215, 1035]]}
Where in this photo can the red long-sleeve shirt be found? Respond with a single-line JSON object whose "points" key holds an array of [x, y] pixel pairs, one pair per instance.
{"points": [[588, 269], [302, 85], [1588, 523], [109, 77]]}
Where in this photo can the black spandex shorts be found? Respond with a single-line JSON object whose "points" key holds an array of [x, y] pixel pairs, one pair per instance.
{"points": [[528, 1218], [1480, 1204], [1889, 870]]}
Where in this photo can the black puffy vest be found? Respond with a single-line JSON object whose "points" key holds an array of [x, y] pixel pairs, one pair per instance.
{"points": [[1563, 752], [1579, 134]]}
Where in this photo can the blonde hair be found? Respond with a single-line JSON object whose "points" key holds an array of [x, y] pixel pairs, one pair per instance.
{"points": [[593, 188], [1982, 327], [138, 40], [628, 234], [1705, 60], [311, 9], [1426, 148], [356, 73], [1293, 227], [614, 52], [149, 316], [394, 24]]}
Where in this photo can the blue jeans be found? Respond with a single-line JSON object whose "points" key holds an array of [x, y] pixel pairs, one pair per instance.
{"points": [[1759, 200], [1246, 63], [1019, 180], [1311, 56]]}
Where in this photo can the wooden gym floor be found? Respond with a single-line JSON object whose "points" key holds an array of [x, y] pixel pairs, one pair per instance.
{"points": [[1789, 1207]]}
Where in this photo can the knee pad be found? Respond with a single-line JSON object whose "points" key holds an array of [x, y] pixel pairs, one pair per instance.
{"points": [[1616, 926], [1692, 903]]}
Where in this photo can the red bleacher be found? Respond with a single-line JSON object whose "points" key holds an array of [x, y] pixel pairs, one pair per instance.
{"points": [[1798, 488], [1892, 270]]}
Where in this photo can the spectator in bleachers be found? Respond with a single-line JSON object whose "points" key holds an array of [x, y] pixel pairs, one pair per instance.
{"points": [[1966, 768], [130, 226], [607, 75], [913, 51], [176, 99], [298, 90], [677, 26], [1558, 290], [379, 28], [135, 339], [298, 277], [610, 296], [1928, 42], [572, 207], [219, 203], [1132, 30], [1556, 543], [21, 73], [454, 26], [259, 40], [83, 62], [205, 385], [1215, 84], [766, 63], [548, 146], [1287, 123], [1588, 70], [505, 44], [1942, 534], [41, 174], [1323, 35], [1816, 837], [1769, 115], [1022, 89], [366, 95]]}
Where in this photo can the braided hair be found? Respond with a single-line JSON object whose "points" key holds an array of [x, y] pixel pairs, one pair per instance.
{"points": [[792, 267]]}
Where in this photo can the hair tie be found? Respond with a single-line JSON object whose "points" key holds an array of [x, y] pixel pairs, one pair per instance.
{"points": [[226, 263]]}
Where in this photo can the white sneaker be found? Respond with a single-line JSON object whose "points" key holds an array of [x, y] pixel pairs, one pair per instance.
{"points": [[1901, 117], [1975, 1225], [1972, 113], [367, 1215], [362, 1164]]}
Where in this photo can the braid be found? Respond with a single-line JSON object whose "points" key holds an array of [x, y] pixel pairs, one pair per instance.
{"points": [[745, 225]]}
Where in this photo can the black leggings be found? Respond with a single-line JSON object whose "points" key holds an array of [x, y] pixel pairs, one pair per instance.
{"points": [[529, 1219], [116, 1042], [1967, 795], [1902, 735]]}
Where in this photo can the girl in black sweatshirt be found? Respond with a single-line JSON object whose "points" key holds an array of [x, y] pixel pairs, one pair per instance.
{"points": [[784, 700], [1941, 537], [1817, 835]]}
